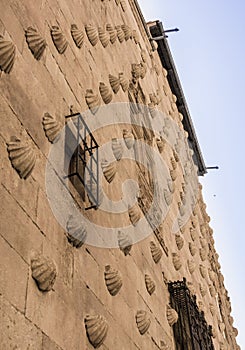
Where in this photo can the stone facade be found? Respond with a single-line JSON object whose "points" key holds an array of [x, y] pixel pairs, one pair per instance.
{"points": [[58, 58]]}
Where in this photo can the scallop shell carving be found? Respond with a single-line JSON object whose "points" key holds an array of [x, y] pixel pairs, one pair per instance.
{"points": [[96, 329], [212, 309], [7, 55], [172, 316], [117, 148], [168, 197], [134, 214], [51, 127], [76, 232], [109, 170], [115, 83], [179, 241], [127, 31], [156, 252], [104, 37], [173, 174], [43, 271], [112, 32], [211, 274], [105, 93], [150, 284], [35, 42], [203, 242], [203, 271], [124, 242], [193, 234], [113, 280], [92, 100], [176, 261], [136, 71], [160, 144], [59, 39], [191, 266], [203, 254], [143, 321], [120, 33], [77, 35], [152, 110], [212, 290], [128, 138], [22, 157], [181, 209], [123, 82], [92, 34], [192, 248], [203, 290]]}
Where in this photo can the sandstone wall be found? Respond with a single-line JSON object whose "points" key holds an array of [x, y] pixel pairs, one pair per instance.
{"points": [[29, 317]]}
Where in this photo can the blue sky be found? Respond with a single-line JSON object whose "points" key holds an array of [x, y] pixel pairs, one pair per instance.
{"points": [[209, 53]]}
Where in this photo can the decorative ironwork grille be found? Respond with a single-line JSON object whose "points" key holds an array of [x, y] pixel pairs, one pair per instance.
{"points": [[191, 332], [85, 158]]}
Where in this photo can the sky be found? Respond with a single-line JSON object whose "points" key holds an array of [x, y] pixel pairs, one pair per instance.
{"points": [[209, 54]]}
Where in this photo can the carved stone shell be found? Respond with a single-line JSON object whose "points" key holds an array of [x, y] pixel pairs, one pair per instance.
{"points": [[156, 252], [120, 33], [134, 214], [143, 321], [191, 266], [176, 261], [51, 127], [173, 174], [212, 290], [115, 83], [105, 93], [181, 209], [211, 274], [113, 280], [143, 55], [179, 241], [128, 138], [43, 271], [7, 55], [143, 71], [93, 100], [150, 284], [168, 197], [221, 326], [104, 37], [203, 290], [192, 248], [203, 242], [203, 254], [96, 329], [22, 156], [172, 316], [36, 43], [76, 232], [116, 148], [193, 234], [77, 35], [124, 242], [212, 309], [112, 32], [160, 144], [109, 170], [203, 271], [59, 39], [136, 71], [123, 82], [127, 31], [152, 110], [92, 34], [123, 5]]}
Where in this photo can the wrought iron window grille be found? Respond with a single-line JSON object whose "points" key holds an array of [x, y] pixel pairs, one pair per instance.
{"points": [[191, 332], [85, 158]]}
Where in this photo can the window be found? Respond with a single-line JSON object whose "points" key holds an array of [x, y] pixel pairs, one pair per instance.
{"points": [[81, 160], [191, 332]]}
